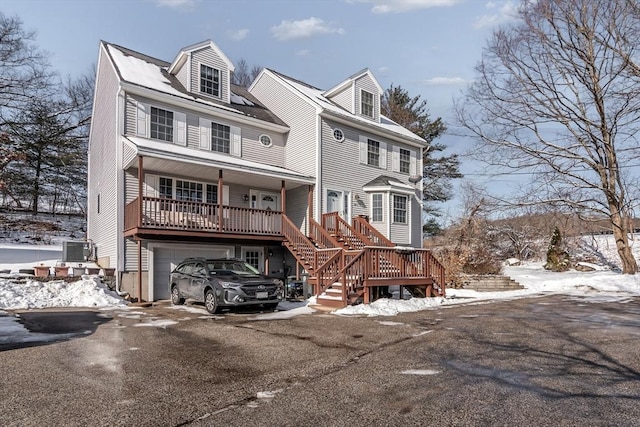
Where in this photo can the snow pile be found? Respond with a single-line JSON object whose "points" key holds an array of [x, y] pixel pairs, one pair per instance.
{"points": [[595, 286], [87, 292]]}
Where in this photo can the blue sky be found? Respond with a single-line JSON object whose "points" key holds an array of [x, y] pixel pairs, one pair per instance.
{"points": [[429, 47]]}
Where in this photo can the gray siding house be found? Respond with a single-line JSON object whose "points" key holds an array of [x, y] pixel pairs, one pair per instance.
{"points": [[286, 176]]}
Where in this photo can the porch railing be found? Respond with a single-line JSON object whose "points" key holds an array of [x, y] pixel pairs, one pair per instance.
{"points": [[155, 212]]}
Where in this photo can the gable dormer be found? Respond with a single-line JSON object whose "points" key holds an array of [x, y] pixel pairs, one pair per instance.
{"points": [[359, 94], [204, 70]]}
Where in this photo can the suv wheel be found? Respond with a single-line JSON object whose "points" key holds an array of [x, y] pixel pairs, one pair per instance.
{"points": [[210, 302], [176, 299]]}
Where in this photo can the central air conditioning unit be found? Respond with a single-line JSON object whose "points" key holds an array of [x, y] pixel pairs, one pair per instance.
{"points": [[74, 251]]}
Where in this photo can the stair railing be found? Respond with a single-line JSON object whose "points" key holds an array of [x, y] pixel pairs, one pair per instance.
{"points": [[340, 228], [293, 234], [321, 236], [373, 236]]}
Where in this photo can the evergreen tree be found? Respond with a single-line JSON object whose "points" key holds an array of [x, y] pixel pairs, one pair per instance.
{"points": [[437, 171]]}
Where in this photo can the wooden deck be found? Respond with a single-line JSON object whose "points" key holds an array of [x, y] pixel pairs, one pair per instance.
{"points": [[163, 217]]}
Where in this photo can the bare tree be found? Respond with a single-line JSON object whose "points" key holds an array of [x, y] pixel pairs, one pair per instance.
{"points": [[242, 76], [24, 69], [558, 95]]}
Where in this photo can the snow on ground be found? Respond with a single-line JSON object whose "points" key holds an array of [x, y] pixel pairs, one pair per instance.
{"points": [[18, 251]]}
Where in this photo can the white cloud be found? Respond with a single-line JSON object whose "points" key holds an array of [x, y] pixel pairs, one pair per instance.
{"points": [[501, 12], [446, 81], [176, 3], [383, 70], [399, 6], [238, 35], [303, 52], [305, 28]]}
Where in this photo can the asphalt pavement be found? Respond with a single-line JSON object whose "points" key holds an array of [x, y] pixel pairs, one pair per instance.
{"points": [[552, 361]]}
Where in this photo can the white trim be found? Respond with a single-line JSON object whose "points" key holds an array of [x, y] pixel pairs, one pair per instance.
{"points": [[373, 106], [209, 95], [199, 46], [392, 219], [260, 250], [270, 140], [381, 193]]}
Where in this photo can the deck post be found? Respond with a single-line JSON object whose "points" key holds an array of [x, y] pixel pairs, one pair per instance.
{"points": [[220, 201], [140, 181], [283, 198], [139, 270], [310, 207]]}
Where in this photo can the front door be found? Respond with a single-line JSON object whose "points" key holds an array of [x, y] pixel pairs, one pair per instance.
{"points": [[269, 201], [335, 202]]}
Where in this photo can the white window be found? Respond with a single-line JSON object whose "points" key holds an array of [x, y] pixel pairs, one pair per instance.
{"points": [[265, 140], [405, 160], [376, 207], [209, 80], [366, 103], [220, 137], [161, 124], [399, 209], [338, 135], [373, 152]]}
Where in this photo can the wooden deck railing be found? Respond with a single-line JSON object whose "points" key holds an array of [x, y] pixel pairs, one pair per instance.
{"points": [[338, 227], [374, 237], [161, 213], [320, 236]]}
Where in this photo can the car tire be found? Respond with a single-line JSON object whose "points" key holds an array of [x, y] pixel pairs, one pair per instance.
{"points": [[176, 299], [210, 301], [271, 306]]}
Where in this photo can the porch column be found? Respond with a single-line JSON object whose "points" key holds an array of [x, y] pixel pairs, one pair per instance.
{"points": [[140, 181], [309, 206], [283, 198], [220, 200], [139, 270]]}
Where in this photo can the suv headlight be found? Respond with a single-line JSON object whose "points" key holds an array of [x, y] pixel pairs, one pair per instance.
{"points": [[227, 285]]}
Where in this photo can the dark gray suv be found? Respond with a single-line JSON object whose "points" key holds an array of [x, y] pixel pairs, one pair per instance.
{"points": [[223, 283]]}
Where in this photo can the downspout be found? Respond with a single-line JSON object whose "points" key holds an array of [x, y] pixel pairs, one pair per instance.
{"points": [[318, 207], [120, 197]]}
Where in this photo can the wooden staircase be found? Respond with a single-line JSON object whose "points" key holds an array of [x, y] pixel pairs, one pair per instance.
{"points": [[345, 263]]}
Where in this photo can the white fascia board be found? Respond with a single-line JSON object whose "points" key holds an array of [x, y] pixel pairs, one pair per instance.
{"points": [[372, 78], [337, 89], [194, 105], [374, 130], [194, 47], [389, 189]]}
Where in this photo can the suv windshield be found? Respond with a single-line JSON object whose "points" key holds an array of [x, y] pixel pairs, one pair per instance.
{"points": [[237, 267]]}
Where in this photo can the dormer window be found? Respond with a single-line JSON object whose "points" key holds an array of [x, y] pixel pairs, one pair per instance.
{"points": [[366, 103], [209, 80]]}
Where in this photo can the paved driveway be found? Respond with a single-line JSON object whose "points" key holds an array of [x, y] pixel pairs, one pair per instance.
{"points": [[548, 361]]}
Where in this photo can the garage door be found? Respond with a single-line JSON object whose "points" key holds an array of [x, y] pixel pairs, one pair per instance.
{"points": [[165, 260]]}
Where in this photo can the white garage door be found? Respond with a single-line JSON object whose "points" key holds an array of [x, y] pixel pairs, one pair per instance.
{"points": [[165, 260]]}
